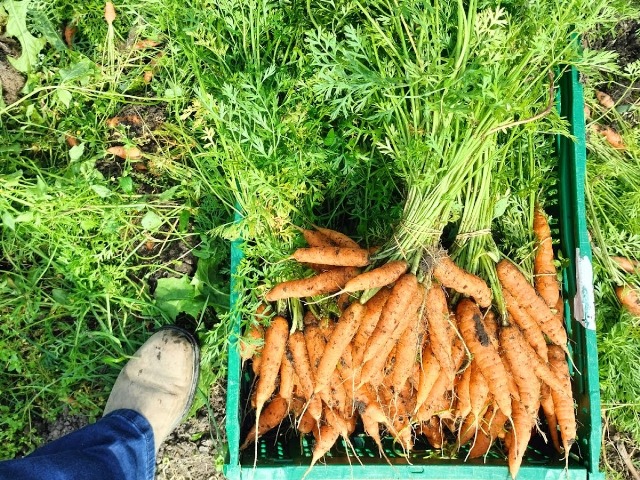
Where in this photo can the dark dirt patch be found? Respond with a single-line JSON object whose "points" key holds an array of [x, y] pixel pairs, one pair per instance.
{"points": [[11, 81], [625, 41], [620, 454]]}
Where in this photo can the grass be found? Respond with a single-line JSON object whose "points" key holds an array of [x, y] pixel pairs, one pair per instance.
{"points": [[241, 106]]}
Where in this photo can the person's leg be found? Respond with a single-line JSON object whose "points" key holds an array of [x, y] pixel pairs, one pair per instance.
{"points": [[118, 446], [151, 395]]}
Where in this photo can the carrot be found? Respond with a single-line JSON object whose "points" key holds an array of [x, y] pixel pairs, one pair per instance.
{"points": [[433, 431], [144, 44], [429, 374], [307, 423], [109, 13], [271, 417], [562, 399], [127, 153], [630, 299], [518, 438], [394, 309], [546, 400], [252, 342], [530, 328], [613, 137], [478, 395], [335, 256], [256, 362], [454, 277], [493, 421], [436, 399], [327, 437], [327, 282], [512, 341], [378, 277], [69, 33], [376, 364], [544, 270], [440, 332], [525, 295], [463, 405], [302, 367], [484, 352], [275, 341], [605, 100], [339, 239], [372, 428], [286, 377], [344, 331], [369, 322], [405, 358], [626, 264], [317, 239], [316, 344], [520, 369]]}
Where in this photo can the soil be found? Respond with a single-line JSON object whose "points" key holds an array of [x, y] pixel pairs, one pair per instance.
{"points": [[189, 453], [11, 81], [620, 454]]}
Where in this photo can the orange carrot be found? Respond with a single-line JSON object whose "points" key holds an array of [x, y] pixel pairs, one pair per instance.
{"points": [[433, 431], [256, 362], [271, 417], [368, 324], [286, 377], [440, 331], [372, 428], [405, 358], [327, 282], [429, 374], [525, 295], [302, 367], [546, 400], [127, 153], [562, 399], [484, 352], [478, 395], [339, 239], [626, 264], [344, 331], [275, 341], [317, 239], [252, 342], [530, 328], [316, 344], [452, 276], [605, 100], [378, 277], [613, 137], [109, 12], [512, 341], [307, 423], [630, 299], [335, 256], [394, 309], [493, 424], [144, 44], [69, 33], [544, 270], [463, 405], [520, 369], [518, 439]]}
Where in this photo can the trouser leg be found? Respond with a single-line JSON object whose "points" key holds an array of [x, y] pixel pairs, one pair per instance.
{"points": [[119, 446]]}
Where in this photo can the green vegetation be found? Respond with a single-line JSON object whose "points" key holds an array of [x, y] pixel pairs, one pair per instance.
{"points": [[397, 125]]}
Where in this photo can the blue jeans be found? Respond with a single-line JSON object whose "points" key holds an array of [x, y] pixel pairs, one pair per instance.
{"points": [[119, 446]]}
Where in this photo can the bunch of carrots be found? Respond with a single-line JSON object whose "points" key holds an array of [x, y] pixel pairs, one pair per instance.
{"points": [[410, 357]]}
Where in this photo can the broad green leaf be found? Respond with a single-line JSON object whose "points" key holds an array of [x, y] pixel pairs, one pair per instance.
{"points": [[76, 152], [17, 27], [42, 24], [8, 220], [81, 70], [175, 295], [101, 190], [64, 96], [151, 221], [126, 184], [168, 194]]}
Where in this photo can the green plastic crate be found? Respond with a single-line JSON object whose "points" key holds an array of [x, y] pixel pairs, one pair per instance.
{"points": [[287, 457]]}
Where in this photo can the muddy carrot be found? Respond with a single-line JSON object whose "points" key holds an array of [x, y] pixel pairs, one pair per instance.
{"points": [[335, 256], [454, 277], [368, 324], [378, 277], [271, 417], [484, 352], [525, 295], [630, 299], [562, 399], [544, 270], [530, 328], [440, 334], [339, 239], [326, 282]]}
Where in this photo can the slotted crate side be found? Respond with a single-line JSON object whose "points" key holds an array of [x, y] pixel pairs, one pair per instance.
{"points": [[278, 462]]}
